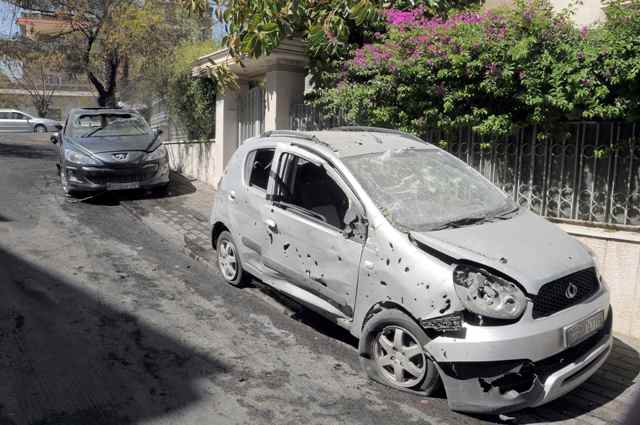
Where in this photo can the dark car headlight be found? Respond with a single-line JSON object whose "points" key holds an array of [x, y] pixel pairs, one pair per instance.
{"points": [[79, 158], [489, 295]]}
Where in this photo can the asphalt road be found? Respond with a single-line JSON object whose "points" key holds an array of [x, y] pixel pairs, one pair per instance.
{"points": [[105, 321]]}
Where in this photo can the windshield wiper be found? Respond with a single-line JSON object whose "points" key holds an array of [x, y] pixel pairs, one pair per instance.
{"points": [[461, 222], [92, 132]]}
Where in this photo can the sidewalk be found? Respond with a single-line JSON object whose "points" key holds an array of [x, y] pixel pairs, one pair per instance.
{"points": [[182, 216]]}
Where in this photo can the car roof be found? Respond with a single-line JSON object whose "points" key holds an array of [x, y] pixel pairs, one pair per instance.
{"points": [[97, 111], [352, 141]]}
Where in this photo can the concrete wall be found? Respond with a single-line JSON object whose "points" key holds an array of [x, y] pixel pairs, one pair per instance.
{"points": [[194, 159], [618, 255], [586, 12]]}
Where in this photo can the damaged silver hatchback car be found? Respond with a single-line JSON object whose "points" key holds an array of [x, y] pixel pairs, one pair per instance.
{"points": [[437, 272]]}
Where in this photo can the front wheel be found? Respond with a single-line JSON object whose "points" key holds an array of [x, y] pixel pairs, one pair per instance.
{"points": [[392, 353], [40, 129]]}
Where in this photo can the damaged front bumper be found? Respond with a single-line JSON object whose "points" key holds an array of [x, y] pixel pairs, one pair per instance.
{"points": [[513, 373]]}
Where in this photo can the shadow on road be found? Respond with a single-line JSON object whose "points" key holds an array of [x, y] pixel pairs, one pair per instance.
{"points": [[67, 358], [5, 220], [35, 151]]}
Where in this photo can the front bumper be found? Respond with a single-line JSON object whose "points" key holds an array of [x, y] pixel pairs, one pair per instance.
{"points": [[499, 369], [94, 179]]}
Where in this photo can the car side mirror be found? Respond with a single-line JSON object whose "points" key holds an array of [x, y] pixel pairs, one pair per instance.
{"points": [[54, 138]]}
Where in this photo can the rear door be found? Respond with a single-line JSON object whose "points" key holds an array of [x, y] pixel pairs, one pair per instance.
{"points": [[310, 234], [21, 122], [251, 202]]}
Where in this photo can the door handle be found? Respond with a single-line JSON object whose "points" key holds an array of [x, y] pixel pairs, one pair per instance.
{"points": [[232, 195], [271, 225]]}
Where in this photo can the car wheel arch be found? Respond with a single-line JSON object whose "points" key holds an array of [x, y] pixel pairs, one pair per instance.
{"points": [[217, 229]]}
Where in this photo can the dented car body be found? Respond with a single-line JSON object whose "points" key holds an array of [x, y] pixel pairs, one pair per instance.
{"points": [[437, 272]]}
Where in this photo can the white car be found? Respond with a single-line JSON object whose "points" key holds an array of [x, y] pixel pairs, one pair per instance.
{"points": [[14, 121], [438, 272]]}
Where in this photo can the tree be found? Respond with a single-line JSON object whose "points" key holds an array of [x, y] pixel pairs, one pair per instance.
{"points": [[32, 68], [331, 28], [108, 40]]}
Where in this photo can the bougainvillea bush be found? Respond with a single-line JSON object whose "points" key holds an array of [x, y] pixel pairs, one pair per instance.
{"points": [[488, 70]]}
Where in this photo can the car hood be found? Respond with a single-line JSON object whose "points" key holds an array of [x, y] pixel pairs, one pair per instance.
{"points": [[526, 247], [98, 145]]}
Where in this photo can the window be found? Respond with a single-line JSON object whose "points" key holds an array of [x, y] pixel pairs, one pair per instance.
{"points": [[309, 186], [4, 115], [259, 166], [18, 116]]}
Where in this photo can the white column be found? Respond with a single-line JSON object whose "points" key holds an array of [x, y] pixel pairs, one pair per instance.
{"points": [[226, 139], [283, 88]]}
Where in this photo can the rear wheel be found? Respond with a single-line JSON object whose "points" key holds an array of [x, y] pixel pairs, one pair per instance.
{"points": [[392, 353], [229, 262]]}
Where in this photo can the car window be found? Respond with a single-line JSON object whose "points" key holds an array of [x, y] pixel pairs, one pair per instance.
{"points": [[258, 167], [4, 115], [18, 116], [308, 186], [100, 124]]}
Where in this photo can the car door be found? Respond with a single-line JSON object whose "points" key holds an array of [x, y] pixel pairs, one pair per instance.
{"points": [[251, 201], [311, 236], [21, 122]]}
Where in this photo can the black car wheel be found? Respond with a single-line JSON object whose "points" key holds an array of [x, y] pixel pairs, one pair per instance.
{"points": [[40, 129]]}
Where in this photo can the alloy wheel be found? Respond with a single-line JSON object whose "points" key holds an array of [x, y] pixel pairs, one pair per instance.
{"points": [[399, 357], [227, 260]]}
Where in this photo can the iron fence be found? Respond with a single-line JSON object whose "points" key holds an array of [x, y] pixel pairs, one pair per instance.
{"points": [[589, 171], [585, 171]]}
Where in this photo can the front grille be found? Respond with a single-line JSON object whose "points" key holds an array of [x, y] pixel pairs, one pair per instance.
{"points": [[553, 295], [123, 175]]}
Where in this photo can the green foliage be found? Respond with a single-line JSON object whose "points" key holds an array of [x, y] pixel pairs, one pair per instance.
{"points": [[192, 99], [491, 71]]}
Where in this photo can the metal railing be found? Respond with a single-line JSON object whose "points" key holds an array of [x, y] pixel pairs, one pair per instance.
{"points": [[589, 171], [584, 171]]}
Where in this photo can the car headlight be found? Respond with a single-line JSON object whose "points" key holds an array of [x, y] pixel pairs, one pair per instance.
{"points": [[79, 158], [158, 154], [487, 294]]}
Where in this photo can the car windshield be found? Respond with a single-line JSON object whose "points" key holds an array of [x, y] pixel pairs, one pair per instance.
{"points": [[427, 189], [104, 125]]}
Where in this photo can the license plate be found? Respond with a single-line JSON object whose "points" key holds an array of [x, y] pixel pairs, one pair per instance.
{"points": [[579, 331], [123, 186]]}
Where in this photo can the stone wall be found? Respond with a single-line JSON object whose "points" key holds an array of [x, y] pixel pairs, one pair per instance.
{"points": [[618, 255], [193, 159]]}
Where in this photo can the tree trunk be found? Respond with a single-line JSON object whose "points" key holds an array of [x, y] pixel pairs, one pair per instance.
{"points": [[107, 95]]}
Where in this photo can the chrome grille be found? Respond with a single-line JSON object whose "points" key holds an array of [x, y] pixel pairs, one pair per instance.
{"points": [[553, 295]]}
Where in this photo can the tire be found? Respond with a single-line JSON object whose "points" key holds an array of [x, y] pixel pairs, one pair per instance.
{"points": [[39, 129], [228, 260], [392, 353]]}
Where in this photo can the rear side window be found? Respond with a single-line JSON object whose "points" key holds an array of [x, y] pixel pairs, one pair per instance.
{"points": [[259, 167], [4, 115]]}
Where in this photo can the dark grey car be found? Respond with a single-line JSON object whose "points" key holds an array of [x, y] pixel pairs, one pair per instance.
{"points": [[102, 149]]}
